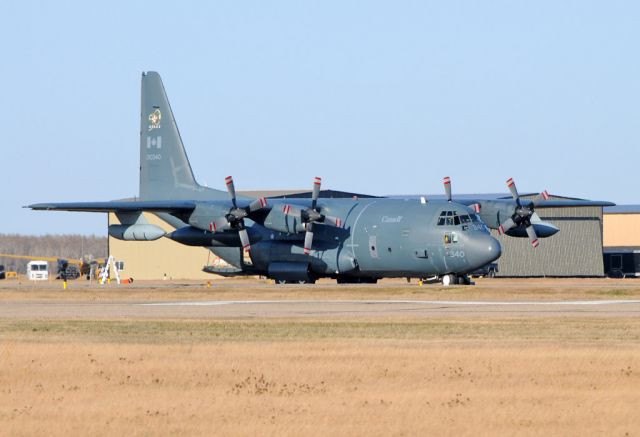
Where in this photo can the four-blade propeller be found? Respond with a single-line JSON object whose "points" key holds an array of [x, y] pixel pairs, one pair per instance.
{"points": [[311, 215], [234, 219], [523, 214]]}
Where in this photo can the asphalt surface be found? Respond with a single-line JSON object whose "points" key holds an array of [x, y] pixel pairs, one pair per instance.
{"points": [[220, 309]]}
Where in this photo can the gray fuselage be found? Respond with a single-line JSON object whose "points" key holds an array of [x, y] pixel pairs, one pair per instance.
{"points": [[379, 238]]}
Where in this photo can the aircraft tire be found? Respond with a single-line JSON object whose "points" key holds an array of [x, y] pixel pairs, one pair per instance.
{"points": [[449, 280]]}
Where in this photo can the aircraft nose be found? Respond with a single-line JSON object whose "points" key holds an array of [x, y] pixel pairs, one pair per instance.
{"points": [[485, 249], [494, 250]]}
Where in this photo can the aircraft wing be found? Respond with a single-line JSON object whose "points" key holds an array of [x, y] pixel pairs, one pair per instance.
{"points": [[201, 214], [562, 203], [554, 203], [171, 206]]}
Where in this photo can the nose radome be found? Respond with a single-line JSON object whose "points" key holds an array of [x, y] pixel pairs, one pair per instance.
{"points": [[494, 249], [484, 249]]}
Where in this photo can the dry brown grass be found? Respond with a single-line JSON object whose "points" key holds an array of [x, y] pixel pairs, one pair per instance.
{"points": [[378, 376], [253, 289], [565, 331], [329, 387]]}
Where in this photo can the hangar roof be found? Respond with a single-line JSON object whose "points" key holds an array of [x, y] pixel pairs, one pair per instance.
{"points": [[622, 209]]}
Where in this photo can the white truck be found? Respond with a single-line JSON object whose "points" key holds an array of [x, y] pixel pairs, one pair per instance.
{"points": [[38, 270]]}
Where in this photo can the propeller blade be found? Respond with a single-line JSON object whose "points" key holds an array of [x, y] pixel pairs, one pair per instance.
{"points": [[475, 207], [231, 189], [533, 238], [540, 197], [257, 204], [511, 184], [447, 187], [316, 191], [219, 224], [308, 239], [244, 239], [506, 225], [333, 221]]}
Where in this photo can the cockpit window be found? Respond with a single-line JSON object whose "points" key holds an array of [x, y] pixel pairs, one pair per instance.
{"points": [[453, 218]]}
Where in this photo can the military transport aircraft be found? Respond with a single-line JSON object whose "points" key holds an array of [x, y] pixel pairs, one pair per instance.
{"points": [[300, 240]]}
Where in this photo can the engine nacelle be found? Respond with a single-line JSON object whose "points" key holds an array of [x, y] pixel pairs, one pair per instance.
{"points": [[192, 236], [277, 220], [543, 230], [203, 214], [136, 232], [493, 213]]}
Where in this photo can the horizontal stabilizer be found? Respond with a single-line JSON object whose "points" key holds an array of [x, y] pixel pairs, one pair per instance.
{"points": [[118, 206]]}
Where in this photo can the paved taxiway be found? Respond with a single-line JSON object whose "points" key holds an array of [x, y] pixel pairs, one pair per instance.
{"points": [[315, 309]]}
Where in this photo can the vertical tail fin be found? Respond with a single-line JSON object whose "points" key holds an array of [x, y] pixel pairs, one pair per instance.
{"points": [[165, 172]]}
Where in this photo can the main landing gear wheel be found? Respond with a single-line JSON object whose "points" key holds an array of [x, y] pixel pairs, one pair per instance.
{"points": [[452, 279], [449, 280]]}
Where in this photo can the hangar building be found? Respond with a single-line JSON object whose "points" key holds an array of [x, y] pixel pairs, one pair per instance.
{"points": [[622, 240], [577, 250]]}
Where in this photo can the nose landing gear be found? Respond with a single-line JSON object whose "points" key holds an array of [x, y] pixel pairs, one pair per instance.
{"points": [[452, 279]]}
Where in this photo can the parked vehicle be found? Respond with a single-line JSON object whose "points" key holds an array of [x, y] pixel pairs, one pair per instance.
{"points": [[38, 270], [2, 273], [66, 268], [488, 271]]}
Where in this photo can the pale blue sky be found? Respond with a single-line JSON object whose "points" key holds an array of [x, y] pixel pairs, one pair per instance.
{"points": [[375, 97]]}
